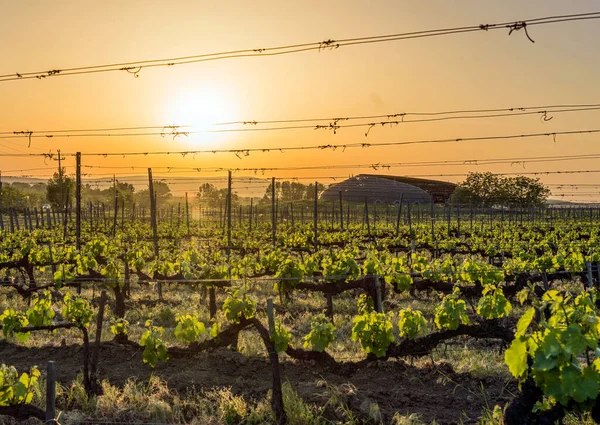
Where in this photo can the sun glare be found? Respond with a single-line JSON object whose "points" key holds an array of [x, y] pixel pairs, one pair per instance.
{"points": [[200, 110]]}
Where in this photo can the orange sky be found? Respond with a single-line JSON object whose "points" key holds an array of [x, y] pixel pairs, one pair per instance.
{"points": [[469, 71]]}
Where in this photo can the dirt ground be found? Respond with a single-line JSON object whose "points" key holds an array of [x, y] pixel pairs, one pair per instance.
{"points": [[431, 392]]}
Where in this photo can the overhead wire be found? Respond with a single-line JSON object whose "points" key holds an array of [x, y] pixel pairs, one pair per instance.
{"points": [[333, 125], [240, 153], [134, 67]]}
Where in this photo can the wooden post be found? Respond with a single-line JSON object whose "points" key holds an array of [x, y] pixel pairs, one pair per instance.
{"points": [[375, 218], [432, 222], [12, 222], [154, 224], [458, 220], [341, 212], [410, 229], [315, 218], [187, 213], [329, 298], [51, 393], [212, 301], [116, 210], [37, 220], [367, 217], [78, 200], [399, 215], [277, 394], [250, 216], [273, 213], [100, 318], [229, 223]]}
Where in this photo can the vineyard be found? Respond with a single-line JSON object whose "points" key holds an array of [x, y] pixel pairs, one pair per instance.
{"points": [[299, 213], [423, 294]]}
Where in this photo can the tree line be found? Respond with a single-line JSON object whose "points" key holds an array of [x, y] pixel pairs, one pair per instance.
{"points": [[484, 189]]}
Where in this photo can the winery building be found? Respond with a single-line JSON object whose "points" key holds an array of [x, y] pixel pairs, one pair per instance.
{"points": [[377, 188]]}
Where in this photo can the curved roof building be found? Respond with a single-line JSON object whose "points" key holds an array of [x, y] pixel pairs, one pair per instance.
{"points": [[390, 189]]}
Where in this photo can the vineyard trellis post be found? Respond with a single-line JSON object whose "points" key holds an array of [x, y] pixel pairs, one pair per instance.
{"points": [[410, 229], [341, 212], [78, 200], [277, 393], [187, 213], [375, 218], [99, 320], [315, 218], [367, 217], [398, 218], [154, 224], [432, 222], [458, 221], [250, 216], [116, 210], [229, 223], [51, 393], [273, 213]]}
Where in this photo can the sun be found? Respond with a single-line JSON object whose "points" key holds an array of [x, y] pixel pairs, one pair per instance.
{"points": [[197, 112]]}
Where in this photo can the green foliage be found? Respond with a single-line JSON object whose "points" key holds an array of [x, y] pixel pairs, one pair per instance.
{"points": [[281, 338], [155, 349], [365, 304], [320, 335], [556, 352], [18, 390], [474, 271], [411, 323], [119, 327], [77, 310], [397, 273], [374, 332], [451, 312], [493, 304], [64, 274], [57, 189], [188, 329], [290, 271], [238, 306], [12, 323], [340, 265], [489, 189], [40, 313]]}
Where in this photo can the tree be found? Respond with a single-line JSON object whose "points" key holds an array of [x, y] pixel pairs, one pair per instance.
{"points": [[291, 191], [209, 194], [11, 197], [161, 190], [310, 190], [58, 188], [525, 191], [488, 189], [124, 192]]}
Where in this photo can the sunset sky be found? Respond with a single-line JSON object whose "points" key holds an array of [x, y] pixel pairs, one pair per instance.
{"points": [[456, 72]]}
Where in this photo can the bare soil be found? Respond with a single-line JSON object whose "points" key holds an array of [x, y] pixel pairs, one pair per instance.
{"points": [[433, 392]]}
